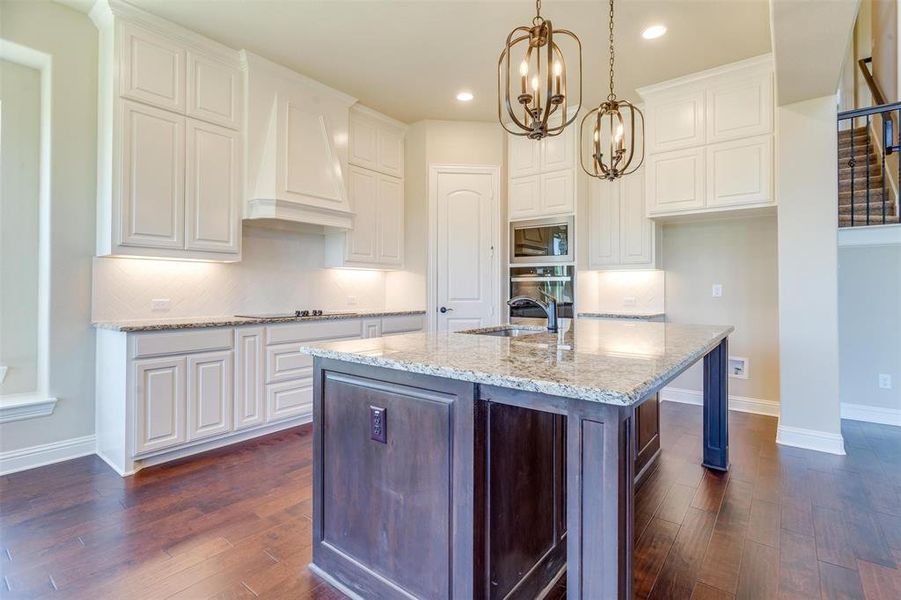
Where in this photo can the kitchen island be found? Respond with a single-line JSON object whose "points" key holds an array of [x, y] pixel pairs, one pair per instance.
{"points": [[481, 464]]}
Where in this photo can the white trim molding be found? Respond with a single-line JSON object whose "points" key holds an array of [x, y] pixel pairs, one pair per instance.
{"points": [[871, 414], [23, 459], [25, 406], [757, 406], [872, 235], [810, 439]]}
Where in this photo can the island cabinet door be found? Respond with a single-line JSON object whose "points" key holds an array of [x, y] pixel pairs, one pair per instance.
{"points": [[647, 436], [390, 489], [524, 464]]}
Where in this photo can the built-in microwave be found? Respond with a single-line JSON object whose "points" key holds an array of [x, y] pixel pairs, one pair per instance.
{"points": [[542, 241]]}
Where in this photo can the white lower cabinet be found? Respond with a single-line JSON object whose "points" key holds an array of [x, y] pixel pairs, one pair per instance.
{"points": [[167, 394], [210, 394], [160, 406], [250, 404]]}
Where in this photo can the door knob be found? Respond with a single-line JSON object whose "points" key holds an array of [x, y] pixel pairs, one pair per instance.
{"points": [[444, 309]]}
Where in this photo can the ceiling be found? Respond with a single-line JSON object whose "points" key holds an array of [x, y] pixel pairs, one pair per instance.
{"points": [[408, 59]]}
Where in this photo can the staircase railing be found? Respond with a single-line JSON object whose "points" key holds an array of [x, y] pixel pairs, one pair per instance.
{"points": [[887, 145]]}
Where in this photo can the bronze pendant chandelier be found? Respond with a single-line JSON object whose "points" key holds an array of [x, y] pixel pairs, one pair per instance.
{"points": [[538, 107], [610, 123]]}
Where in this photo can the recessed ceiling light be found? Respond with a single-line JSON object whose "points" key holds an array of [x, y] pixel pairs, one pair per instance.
{"points": [[465, 96], [653, 32]]}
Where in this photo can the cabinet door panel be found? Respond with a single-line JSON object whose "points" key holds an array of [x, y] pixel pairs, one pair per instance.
{"points": [[210, 394], [152, 178], [215, 91], [309, 168], [604, 217], [738, 109], [676, 122], [675, 181], [390, 221], [159, 403], [558, 152], [523, 197], [740, 172], [362, 242], [250, 405], [523, 156], [557, 193], [391, 151], [289, 399], [213, 188], [364, 141], [152, 69], [636, 230]]}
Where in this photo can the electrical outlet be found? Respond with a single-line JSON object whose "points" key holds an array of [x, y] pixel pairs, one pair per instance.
{"points": [[717, 290], [378, 424], [351, 300], [630, 301], [160, 304], [885, 381]]}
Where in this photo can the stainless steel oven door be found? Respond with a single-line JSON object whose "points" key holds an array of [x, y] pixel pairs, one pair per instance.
{"points": [[556, 281], [542, 241]]}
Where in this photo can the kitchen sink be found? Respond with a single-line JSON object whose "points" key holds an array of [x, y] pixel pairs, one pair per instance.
{"points": [[505, 332]]}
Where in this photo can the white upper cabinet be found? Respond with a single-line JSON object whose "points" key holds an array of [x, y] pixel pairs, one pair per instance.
{"points": [[523, 156], [376, 194], [151, 68], [215, 91], [151, 203], [212, 189], [171, 164], [621, 235], [710, 140], [376, 142], [297, 147], [676, 122], [542, 175]]}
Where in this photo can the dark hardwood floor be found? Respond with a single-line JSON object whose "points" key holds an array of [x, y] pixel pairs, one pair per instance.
{"points": [[235, 523]]}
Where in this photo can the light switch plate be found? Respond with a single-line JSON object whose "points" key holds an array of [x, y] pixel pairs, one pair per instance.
{"points": [[160, 304], [885, 381], [717, 290], [630, 301]]}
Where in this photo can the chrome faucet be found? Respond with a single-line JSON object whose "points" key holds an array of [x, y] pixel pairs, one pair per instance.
{"points": [[549, 307]]}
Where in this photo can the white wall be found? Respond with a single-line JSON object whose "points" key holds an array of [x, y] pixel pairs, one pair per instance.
{"points": [[71, 40], [20, 93], [741, 255], [869, 308], [807, 187], [437, 143], [280, 271]]}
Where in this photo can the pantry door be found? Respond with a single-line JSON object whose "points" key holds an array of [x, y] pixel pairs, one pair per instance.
{"points": [[465, 274]]}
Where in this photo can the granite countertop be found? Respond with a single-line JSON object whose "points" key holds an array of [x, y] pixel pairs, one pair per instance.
{"points": [[638, 316], [232, 321], [615, 362]]}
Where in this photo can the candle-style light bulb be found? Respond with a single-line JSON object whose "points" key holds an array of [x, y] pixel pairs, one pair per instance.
{"points": [[523, 68], [558, 77], [535, 83]]}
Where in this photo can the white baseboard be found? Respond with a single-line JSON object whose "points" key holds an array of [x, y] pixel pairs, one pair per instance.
{"points": [[811, 439], [13, 461], [871, 414], [757, 406]]}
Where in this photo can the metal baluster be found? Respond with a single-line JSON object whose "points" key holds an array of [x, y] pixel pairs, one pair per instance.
{"points": [[898, 145], [885, 151], [851, 164], [868, 169]]}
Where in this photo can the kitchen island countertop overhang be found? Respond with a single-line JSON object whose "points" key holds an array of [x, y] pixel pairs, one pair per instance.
{"points": [[611, 362]]}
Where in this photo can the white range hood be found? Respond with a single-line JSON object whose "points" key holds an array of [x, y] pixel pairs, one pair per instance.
{"points": [[296, 155]]}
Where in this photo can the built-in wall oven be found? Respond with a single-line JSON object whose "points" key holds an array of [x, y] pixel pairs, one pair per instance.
{"points": [[554, 280], [542, 241]]}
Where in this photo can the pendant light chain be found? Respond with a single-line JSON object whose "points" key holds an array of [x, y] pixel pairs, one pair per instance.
{"points": [[612, 95], [538, 20]]}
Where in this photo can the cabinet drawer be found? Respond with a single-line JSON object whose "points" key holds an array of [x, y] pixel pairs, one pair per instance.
{"points": [[286, 361], [289, 399], [402, 324], [182, 342], [314, 330]]}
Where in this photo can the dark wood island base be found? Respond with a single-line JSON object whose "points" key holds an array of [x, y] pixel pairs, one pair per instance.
{"points": [[427, 488]]}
